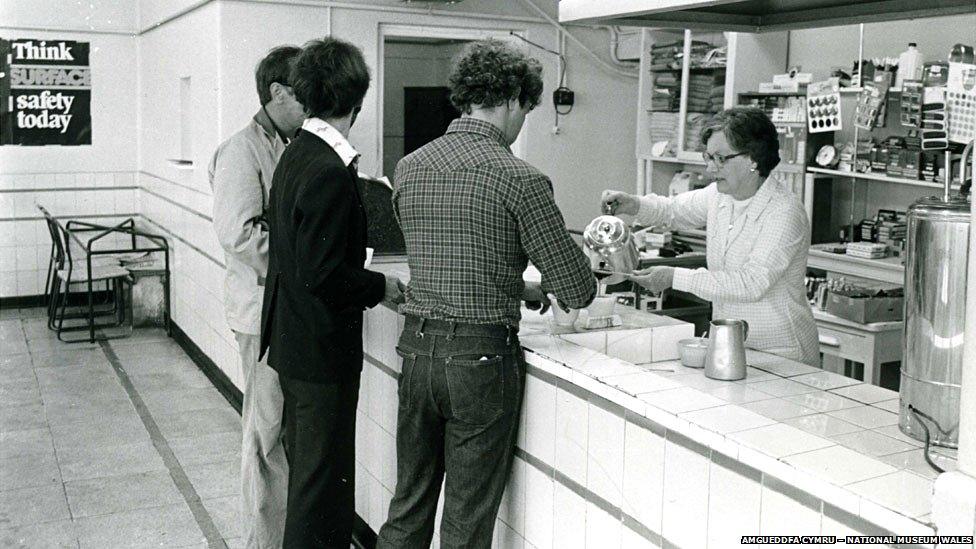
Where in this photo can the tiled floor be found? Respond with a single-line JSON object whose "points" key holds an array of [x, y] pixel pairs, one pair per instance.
{"points": [[120, 444]]}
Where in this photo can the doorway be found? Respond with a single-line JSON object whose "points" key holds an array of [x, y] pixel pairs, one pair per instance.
{"points": [[414, 104]]}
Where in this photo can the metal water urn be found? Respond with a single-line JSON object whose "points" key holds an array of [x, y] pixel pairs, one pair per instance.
{"points": [[935, 317]]}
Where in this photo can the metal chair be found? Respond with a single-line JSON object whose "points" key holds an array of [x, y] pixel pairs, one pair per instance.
{"points": [[67, 270], [140, 243], [57, 260]]}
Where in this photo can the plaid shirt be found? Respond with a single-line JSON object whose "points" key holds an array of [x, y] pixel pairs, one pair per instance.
{"points": [[472, 216]]}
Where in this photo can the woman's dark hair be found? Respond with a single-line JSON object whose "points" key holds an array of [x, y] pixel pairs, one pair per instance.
{"points": [[748, 130], [489, 73], [275, 67], [330, 78]]}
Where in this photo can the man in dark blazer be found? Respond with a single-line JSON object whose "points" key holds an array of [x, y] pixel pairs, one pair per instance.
{"points": [[316, 291]]}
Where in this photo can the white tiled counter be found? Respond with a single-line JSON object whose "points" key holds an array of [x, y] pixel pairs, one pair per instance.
{"points": [[617, 454]]}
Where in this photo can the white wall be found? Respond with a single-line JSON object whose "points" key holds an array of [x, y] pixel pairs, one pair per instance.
{"points": [[818, 50], [100, 15], [177, 202], [153, 12], [595, 149], [248, 31]]}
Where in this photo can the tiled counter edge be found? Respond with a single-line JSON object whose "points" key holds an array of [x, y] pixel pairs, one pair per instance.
{"points": [[595, 464]]}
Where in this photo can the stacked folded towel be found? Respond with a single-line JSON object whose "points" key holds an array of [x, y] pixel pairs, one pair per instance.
{"points": [[663, 126]]}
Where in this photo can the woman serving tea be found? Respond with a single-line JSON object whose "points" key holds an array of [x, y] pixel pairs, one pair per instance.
{"points": [[757, 236]]}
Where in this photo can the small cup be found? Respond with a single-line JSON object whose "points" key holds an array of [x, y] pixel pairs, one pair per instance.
{"points": [[602, 307], [561, 317], [692, 352]]}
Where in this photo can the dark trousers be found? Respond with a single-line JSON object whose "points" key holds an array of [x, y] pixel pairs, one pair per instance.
{"points": [[320, 436], [458, 417]]}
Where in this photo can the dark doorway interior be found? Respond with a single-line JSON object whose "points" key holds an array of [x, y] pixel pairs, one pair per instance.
{"points": [[426, 115]]}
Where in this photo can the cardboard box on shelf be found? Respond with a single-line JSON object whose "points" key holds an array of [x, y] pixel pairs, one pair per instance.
{"points": [[879, 307]]}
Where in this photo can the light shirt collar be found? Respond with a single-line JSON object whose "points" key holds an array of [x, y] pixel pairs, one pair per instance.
{"points": [[332, 137]]}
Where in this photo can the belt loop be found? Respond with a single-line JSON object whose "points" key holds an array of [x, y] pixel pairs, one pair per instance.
{"points": [[450, 333], [508, 335], [420, 329]]}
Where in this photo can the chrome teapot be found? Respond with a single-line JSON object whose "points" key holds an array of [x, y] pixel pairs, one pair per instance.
{"points": [[611, 248]]}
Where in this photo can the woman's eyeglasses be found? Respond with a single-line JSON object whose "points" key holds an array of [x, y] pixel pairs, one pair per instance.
{"points": [[719, 159]]}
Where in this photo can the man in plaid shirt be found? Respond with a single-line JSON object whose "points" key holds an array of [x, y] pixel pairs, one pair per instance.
{"points": [[472, 215]]}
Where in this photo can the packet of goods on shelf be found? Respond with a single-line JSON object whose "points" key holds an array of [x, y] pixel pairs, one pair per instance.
{"points": [[911, 103], [867, 250], [847, 161], [823, 106], [871, 102]]}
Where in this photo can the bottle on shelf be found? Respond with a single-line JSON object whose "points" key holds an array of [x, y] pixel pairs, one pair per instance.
{"points": [[910, 64]]}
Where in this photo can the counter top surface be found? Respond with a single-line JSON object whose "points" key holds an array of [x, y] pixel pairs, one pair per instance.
{"points": [[832, 436]]}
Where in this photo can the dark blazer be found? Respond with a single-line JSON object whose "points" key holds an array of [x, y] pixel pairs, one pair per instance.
{"points": [[317, 287]]}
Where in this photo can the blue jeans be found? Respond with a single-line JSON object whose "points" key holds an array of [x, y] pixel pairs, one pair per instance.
{"points": [[460, 397]]}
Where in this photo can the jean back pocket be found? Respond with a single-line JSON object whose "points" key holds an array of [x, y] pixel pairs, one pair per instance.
{"points": [[476, 387]]}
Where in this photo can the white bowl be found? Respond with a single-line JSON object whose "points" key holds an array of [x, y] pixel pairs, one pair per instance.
{"points": [[692, 352], [561, 317]]}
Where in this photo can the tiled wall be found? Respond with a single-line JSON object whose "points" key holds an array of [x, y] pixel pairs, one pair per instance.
{"points": [[25, 244], [182, 213], [588, 473]]}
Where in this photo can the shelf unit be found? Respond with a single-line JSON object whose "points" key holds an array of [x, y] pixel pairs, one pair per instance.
{"points": [[879, 177], [750, 59], [888, 270]]}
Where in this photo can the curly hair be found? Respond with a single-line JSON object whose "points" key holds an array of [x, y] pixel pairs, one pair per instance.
{"points": [[489, 73], [330, 78], [274, 68], [748, 130]]}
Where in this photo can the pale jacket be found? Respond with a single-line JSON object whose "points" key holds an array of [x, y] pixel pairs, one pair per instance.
{"points": [[240, 174], [756, 263]]}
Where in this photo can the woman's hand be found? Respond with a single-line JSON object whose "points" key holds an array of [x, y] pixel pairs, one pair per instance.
{"points": [[616, 202], [655, 279]]}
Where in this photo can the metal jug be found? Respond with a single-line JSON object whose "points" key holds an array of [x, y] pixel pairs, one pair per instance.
{"points": [[610, 247], [726, 355]]}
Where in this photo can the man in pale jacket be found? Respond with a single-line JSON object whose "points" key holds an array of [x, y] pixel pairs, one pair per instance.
{"points": [[240, 174]]}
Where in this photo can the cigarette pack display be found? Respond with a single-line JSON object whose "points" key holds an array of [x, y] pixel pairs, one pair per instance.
{"points": [[893, 168], [866, 228], [911, 103], [879, 158], [910, 163], [930, 170]]}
